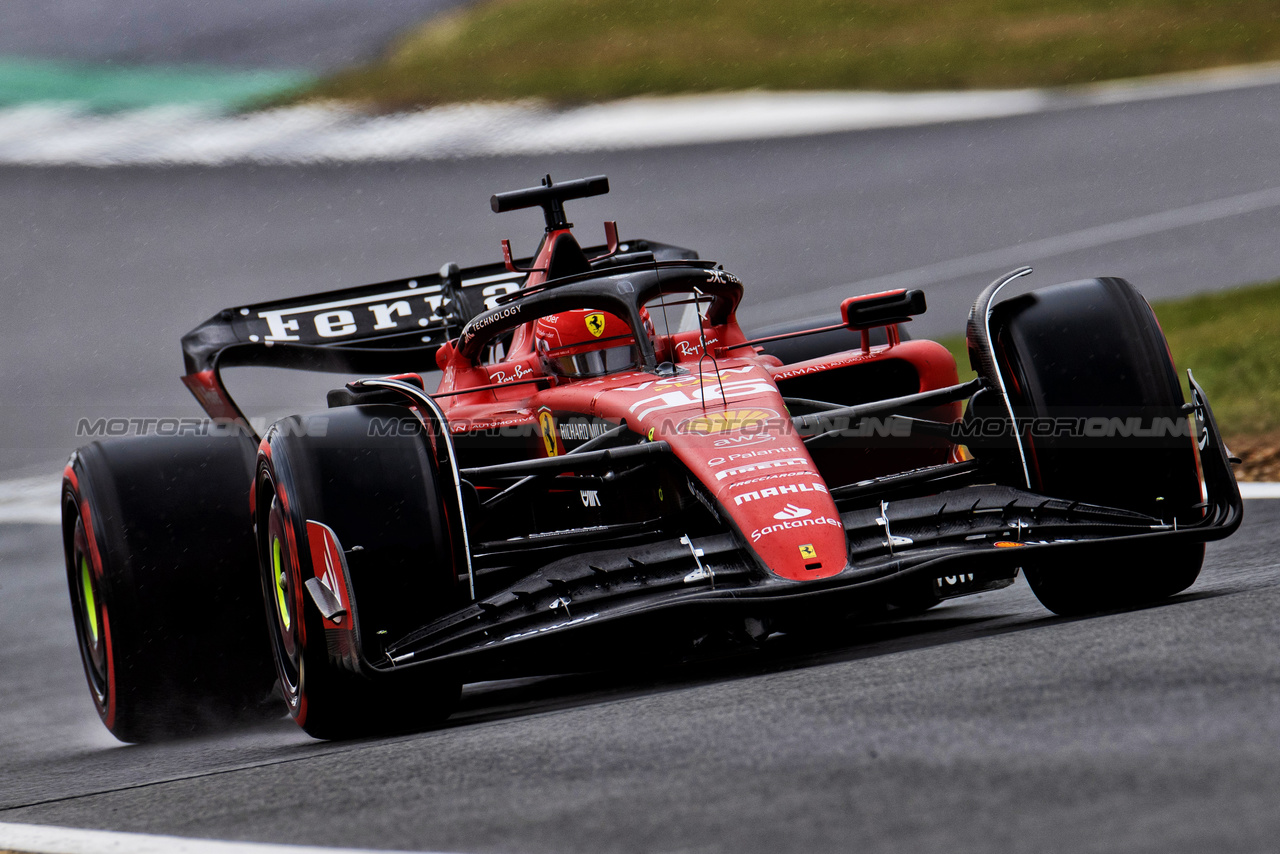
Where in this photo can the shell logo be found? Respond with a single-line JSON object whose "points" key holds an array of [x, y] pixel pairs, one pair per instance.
{"points": [[724, 422]]}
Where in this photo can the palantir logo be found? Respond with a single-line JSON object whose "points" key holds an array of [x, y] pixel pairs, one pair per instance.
{"points": [[791, 511]]}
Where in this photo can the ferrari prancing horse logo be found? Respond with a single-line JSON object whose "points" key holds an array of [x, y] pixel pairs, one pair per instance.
{"points": [[548, 426], [595, 323], [807, 551]]}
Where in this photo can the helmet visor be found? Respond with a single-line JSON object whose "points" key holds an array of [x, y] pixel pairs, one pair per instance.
{"points": [[595, 363]]}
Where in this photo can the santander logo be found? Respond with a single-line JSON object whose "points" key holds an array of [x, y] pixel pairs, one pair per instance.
{"points": [[790, 512]]}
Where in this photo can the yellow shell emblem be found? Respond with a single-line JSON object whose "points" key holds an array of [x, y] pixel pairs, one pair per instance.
{"points": [[730, 419]]}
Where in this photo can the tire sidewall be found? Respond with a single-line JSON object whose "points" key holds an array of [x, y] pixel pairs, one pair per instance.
{"points": [[81, 538], [306, 479], [280, 488], [164, 530]]}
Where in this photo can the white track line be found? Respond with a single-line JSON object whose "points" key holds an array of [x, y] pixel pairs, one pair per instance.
{"points": [[1260, 490], [39, 839], [1087, 238], [61, 134]]}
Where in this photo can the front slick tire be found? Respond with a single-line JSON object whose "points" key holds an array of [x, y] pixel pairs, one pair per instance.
{"points": [[1127, 578], [378, 493], [1094, 349]]}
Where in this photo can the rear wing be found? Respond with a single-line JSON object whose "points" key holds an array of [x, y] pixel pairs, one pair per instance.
{"points": [[390, 327]]}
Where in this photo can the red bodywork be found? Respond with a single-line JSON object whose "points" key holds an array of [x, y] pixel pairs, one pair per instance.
{"points": [[723, 417]]}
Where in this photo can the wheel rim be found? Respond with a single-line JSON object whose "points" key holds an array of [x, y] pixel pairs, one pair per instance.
{"points": [[89, 600], [91, 626], [281, 583], [282, 578]]}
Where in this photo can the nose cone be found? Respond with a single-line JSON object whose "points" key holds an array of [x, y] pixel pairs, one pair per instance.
{"points": [[733, 433], [787, 518], [763, 477]]}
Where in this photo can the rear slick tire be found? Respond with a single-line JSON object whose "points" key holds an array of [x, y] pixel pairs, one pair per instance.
{"points": [[160, 569], [1093, 349], [377, 491]]}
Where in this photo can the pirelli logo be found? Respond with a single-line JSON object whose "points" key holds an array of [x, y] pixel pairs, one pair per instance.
{"points": [[763, 466], [774, 491]]}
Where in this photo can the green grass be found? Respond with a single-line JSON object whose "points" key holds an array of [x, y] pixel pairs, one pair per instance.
{"points": [[1230, 341], [589, 50], [955, 343]]}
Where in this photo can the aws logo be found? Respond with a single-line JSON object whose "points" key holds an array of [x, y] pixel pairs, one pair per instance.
{"points": [[735, 420]]}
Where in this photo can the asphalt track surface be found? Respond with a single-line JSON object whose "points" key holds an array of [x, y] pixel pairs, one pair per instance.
{"points": [[986, 725], [317, 35], [983, 725]]}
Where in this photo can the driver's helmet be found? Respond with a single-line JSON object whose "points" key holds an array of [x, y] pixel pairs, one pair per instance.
{"points": [[586, 343]]}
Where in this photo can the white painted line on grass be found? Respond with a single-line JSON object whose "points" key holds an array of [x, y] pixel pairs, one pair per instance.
{"points": [[40, 839], [1180, 83], [62, 134], [58, 135]]}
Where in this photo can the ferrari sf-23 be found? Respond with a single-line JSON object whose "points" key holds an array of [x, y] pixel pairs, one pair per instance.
{"points": [[609, 468]]}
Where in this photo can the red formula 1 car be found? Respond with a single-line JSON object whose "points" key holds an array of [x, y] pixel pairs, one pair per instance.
{"points": [[610, 467]]}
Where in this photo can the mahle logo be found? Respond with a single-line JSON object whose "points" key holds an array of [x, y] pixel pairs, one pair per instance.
{"points": [[729, 420]]}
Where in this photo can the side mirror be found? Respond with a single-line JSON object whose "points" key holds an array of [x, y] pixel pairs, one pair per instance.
{"points": [[883, 309]]}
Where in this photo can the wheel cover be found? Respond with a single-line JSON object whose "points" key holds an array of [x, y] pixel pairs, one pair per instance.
{"points": [[281, 575], [87, 597], [282, 583], [90, 615]]}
